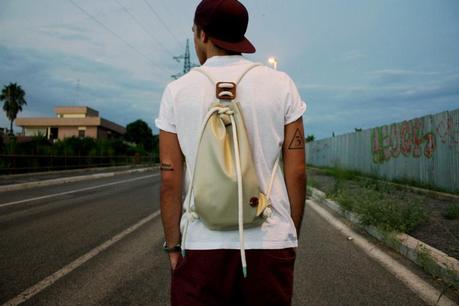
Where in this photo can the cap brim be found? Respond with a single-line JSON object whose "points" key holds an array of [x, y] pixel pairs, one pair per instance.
{"points": [[243, 46]]}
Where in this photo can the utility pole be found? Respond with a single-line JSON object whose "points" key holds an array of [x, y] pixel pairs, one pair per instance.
{"points": [[77, 91], [186, 61]]}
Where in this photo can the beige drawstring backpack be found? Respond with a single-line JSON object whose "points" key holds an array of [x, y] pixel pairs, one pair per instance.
{"points": [[224, 183]]}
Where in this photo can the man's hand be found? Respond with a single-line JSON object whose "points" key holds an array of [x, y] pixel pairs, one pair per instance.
{"points": [[173, 258]]}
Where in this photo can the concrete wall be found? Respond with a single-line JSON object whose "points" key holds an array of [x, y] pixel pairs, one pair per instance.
{"points": [[91, 131], [65, 132], [35, 131], [69, 131], [423, 149]]}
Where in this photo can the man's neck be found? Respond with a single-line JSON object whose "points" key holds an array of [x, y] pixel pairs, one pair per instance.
{"points": [[212, 51]]}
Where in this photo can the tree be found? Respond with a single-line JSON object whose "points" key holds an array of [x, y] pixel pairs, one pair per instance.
{"points": [[310, 138], [140, 133], [13, 98]]}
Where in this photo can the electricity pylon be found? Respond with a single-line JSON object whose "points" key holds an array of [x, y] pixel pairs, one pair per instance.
{"points": [[186, 61]]}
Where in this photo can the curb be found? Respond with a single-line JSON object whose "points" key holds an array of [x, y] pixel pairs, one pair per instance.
{"points": [[70, 179], [432, 260]]}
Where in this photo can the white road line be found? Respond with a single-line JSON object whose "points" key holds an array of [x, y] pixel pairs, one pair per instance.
{"points": [[424, 290], [48, 281], [77, 190]]}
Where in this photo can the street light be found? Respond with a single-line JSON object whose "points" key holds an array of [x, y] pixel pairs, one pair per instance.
{"points": [[273, 61]]}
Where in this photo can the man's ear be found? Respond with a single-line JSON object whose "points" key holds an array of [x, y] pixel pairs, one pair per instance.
{"points": [[204, 38]]}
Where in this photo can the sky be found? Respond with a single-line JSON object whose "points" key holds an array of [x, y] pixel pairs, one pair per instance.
{"points": [[356, 63]]}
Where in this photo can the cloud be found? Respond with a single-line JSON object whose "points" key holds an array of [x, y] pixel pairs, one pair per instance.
{"points": [[341, 107], [51, 79], [352, 55], [69, 33], [403, 76]]}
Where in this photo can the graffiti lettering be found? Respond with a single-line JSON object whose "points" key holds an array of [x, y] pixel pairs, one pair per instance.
{"points": [[448, 131], [407, 137]]}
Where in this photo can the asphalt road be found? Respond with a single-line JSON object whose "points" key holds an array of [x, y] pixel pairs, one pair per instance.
{"points": [[40, 237]]}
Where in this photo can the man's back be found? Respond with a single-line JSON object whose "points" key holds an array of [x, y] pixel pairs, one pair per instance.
{"points": [[269, 100]]}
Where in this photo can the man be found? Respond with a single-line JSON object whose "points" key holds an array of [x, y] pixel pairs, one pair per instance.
{"points": [[210, 272]]}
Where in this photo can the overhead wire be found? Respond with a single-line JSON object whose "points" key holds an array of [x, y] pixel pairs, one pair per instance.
{"points": [[162, 22], [117, 36], [132, 16], [170, 12]]}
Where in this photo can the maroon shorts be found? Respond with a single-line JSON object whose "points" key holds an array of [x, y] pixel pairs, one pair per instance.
{"points": [[214, 277]]}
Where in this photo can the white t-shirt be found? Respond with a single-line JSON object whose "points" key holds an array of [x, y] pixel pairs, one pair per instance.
{"points": [[269, 100]]}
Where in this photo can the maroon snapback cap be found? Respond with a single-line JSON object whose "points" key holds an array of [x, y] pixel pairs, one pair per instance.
{"points": [[225, 21]]}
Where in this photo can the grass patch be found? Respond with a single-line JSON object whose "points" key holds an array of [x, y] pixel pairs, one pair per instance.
{"points": [[451, 212], [382, 210], [448, 276], [341, 173], [312, 182]]}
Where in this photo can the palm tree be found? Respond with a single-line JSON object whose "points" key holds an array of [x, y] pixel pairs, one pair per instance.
{"points": [[13, 99]]}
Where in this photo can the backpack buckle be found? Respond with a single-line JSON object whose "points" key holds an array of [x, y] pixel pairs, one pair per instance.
{"points": [[226, 90]]}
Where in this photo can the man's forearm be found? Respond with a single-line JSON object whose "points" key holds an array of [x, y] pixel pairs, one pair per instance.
{"points": [[171, 212], [296, 188]]}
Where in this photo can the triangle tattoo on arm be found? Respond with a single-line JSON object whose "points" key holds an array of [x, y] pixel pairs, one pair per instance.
{"points": [[297, 142]]}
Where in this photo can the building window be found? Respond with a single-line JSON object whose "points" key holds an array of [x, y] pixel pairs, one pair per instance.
{"points": [[81, 133]]}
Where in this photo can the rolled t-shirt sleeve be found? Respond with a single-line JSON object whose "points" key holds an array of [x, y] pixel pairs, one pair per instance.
{"points": [[166, 116], [294, 105]]}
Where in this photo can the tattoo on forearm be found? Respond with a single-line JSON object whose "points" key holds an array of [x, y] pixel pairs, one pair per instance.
{"points": [[166, 167], [297, 142]]}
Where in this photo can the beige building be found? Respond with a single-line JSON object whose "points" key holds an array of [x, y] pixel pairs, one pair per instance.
{"points": [[79, 121]]}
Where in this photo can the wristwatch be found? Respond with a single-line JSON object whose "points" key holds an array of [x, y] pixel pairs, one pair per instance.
{"points": [[175, 249]]}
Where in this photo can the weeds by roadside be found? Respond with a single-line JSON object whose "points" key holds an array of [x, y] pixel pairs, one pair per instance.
{"points": [[312, 182], [375, 203], [381, 210], [451, 212]]}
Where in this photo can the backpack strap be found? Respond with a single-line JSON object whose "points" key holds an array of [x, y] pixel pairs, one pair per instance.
{"points": [[214, 82], [246, 71], [226, 90]]}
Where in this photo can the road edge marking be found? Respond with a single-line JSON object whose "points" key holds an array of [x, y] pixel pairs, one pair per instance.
{"points": [[51, 279], [76, 190]]}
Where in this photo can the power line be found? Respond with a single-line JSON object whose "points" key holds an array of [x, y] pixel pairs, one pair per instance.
{"points": [[162, 21], [143, 27], [114, 33], [170, 12]]}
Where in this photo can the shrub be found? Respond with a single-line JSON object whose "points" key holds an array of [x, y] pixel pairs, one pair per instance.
{"points": [[451, 212]]}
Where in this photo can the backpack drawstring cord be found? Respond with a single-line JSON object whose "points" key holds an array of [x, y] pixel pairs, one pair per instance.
{"points": [[240, 200]]}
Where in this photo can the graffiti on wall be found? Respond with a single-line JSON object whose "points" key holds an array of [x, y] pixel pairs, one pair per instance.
{"points": [[410, 139], [448, 132]]}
